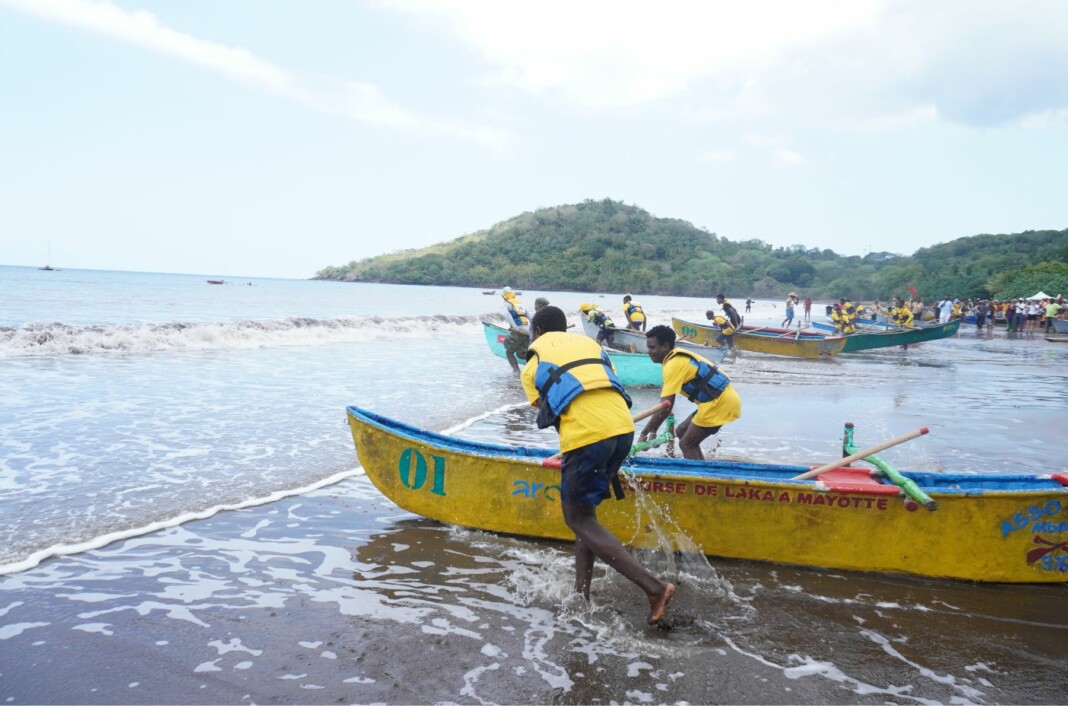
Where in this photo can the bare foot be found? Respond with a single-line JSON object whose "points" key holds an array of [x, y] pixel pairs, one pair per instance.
{"points": [[658, 604]]}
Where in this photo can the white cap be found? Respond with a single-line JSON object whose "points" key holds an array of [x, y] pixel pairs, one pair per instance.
{"points": [[506, 290]]}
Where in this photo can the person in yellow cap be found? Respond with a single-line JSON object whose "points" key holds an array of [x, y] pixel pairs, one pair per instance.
{"points": [[603, 323], [515, 315], [572, 381], [634, 313], [702, 383]]}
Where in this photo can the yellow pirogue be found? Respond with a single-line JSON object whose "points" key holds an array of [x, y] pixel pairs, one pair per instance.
{"points": [[765, 340], [988, 527]]}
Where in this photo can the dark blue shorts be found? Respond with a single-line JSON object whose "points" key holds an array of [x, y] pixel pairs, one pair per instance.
{"points": [[586, 473]]}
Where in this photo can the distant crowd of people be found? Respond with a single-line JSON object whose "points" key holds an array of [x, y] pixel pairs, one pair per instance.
{"points": [[1018, 315]]}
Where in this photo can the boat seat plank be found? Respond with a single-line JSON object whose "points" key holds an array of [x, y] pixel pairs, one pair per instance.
{"points": [[855, 480]]}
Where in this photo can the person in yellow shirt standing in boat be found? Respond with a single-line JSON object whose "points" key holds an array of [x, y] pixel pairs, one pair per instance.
{"points": [[702, 383], [901, 315], [515, 345], [848, 310], [848, 316], [728, 323], [843, 324], [634, 313], [575, 386]]}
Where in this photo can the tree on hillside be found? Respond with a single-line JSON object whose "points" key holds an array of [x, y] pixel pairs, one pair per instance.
{"points": [[1048, 277], [606, 245]]}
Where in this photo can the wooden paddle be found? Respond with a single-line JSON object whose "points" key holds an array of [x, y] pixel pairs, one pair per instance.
{"points": [[637, 417], [861, 454], [651, 411]]}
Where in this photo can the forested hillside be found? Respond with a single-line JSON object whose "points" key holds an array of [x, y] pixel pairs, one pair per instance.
{"points": [[608, 246]]}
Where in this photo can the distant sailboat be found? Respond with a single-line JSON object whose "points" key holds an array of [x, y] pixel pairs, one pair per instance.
{"points": [[49, 267]]}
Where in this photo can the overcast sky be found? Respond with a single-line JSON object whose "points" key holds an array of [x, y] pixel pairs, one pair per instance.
{"points": [[274, 138]]}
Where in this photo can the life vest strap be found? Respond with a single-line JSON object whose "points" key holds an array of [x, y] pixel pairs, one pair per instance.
{"points": [[701, 383], [556, 374]]}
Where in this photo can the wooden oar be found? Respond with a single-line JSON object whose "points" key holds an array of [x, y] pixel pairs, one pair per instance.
{"points": [[651, 411], [861, 454], [637, 417]]}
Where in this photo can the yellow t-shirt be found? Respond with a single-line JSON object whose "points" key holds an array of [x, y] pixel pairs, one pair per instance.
{"points": [[593, 416], [637, 316], [724, 409]]}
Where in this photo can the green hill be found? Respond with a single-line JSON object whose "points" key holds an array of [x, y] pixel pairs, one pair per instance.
{"points": [[608, 246]]}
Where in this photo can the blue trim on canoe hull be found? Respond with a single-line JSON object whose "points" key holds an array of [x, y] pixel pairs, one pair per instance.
{"points": [[932, 483]]}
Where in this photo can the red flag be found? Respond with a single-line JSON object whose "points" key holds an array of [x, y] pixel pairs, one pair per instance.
{"points": [[912, 291]]}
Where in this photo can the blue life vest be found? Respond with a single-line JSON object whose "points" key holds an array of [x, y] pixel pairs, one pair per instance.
{"points": [[558, 386], [633, 310], [519, 314], [707, 384]]}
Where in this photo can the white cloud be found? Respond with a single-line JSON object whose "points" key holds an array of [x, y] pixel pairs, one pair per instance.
{"points": [[876, 64], [717, 157], [1045, 119], [362, 102], [905, 119], [611, 53], [765, 140], [785, 157]]}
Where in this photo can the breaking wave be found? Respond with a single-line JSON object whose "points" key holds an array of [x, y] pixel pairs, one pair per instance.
{"points": [[57, 339]]}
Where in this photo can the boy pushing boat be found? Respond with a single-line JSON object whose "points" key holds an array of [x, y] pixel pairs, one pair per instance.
{"points": [[573, 382]]}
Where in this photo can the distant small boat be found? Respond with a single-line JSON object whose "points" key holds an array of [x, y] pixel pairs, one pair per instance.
{"points": [[489, 292], [48, 267], [216, 281]]}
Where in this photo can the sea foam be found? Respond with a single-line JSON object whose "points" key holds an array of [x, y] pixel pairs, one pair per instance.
{"points": [[57, 339]]}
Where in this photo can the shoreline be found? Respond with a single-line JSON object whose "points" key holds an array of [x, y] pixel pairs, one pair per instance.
{"points": [[339, 596]]}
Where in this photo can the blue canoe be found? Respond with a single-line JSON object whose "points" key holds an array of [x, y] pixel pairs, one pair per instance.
{"points": [[632, 368]]}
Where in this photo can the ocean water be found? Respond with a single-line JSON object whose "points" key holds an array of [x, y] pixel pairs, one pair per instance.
{"points": [[133, 400], [179, 450]]}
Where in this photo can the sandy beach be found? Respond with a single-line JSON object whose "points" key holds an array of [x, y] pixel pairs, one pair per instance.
{"points": [[337, 597]]}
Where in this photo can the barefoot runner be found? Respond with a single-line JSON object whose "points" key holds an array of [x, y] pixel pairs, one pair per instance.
{"points": [[572, 381]]}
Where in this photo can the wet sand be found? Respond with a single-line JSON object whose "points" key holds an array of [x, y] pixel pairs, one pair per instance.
{"points": [[338, 597]]}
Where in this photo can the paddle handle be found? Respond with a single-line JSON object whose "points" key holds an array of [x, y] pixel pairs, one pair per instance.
{"points": [[651, 411], [861, 454], [637, 417]]}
